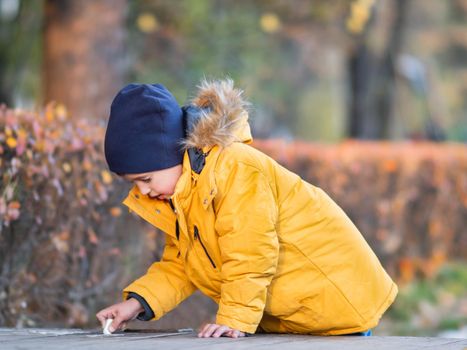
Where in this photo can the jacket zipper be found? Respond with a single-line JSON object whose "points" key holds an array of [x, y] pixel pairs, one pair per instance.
{"points": [[198, 237], [177, 227]]}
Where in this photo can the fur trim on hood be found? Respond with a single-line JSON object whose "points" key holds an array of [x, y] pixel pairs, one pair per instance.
{"points": [[223, 118]]}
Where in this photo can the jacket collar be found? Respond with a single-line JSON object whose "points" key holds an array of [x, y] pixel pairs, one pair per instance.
{"points": [[156, 212], [206, 180]]}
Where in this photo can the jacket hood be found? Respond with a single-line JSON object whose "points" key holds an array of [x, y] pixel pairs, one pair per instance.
{"points": [[222, 117]]}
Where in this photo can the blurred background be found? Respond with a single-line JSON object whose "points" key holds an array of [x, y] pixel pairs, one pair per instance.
{"points": [[364, 98]]}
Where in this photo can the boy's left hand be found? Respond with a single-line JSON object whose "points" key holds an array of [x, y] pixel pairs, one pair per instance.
{"points": [[217, 330]]}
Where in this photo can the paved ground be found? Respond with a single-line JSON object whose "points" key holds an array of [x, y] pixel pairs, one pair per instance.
{"points": [[69, 339]]}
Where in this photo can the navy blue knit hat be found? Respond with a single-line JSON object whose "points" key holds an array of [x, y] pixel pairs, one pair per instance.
{"points": [[144, 130]]}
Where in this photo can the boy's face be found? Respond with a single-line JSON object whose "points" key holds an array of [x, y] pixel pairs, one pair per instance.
{"points": [[159, 184]]}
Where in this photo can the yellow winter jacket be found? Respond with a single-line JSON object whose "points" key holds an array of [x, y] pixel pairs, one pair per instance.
{"points": [[272, 250]]}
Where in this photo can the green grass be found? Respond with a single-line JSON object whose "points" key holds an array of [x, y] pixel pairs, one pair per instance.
{"points": [[426, 307]]}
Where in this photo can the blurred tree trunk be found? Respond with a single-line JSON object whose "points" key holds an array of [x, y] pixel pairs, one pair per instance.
{"points": [[372, 80], [84, 61]]}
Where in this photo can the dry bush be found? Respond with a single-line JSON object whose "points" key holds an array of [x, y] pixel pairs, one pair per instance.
{"points": [[61, 227], [68, 247]]}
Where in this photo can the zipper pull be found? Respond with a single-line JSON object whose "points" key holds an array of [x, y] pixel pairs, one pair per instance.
{"points": [[177, 226], [172, 206], [196, 233]]}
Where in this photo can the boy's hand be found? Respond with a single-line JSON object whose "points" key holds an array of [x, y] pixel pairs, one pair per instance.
{"points": [[217, 330], [121, 312]]}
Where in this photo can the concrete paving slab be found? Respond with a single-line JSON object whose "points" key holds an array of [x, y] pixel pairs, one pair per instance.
{"points": [[51, 339]]}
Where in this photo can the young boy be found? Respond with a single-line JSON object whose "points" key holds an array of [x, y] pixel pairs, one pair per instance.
{"points": [[275, 252]]}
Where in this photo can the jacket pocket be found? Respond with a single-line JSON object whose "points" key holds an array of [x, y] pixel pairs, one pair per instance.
{"points": [[198, 238]]}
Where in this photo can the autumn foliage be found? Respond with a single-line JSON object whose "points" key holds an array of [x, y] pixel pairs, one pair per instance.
{"points": [[59, 218], [67, 246]]}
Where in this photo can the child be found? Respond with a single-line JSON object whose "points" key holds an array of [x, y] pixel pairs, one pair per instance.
{"points": [[275, 252]]}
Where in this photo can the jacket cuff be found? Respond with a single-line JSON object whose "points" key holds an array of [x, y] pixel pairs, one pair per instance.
{"points": [[150, 299], [147, 314], [236, 324]]}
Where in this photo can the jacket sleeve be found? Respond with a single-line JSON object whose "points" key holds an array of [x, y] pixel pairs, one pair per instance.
{"points": [[246, 214], [164, 285]]}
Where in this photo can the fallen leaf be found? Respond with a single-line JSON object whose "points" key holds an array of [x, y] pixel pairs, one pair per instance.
{"points": [[92, 236], [106, 177], [115, 211], [66, 167], [22, 134], [390, 165], [8, 131], [11, 142], [14, 205], [61, 111]]}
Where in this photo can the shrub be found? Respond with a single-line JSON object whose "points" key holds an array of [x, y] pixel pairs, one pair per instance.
{"points": [[61, 226], [63, 229]]}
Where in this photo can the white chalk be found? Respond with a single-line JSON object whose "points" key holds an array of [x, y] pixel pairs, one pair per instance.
{"points": [[106, 330]]}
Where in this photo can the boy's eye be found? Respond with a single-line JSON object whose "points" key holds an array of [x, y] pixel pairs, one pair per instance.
{"points": [[146, 180]]}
